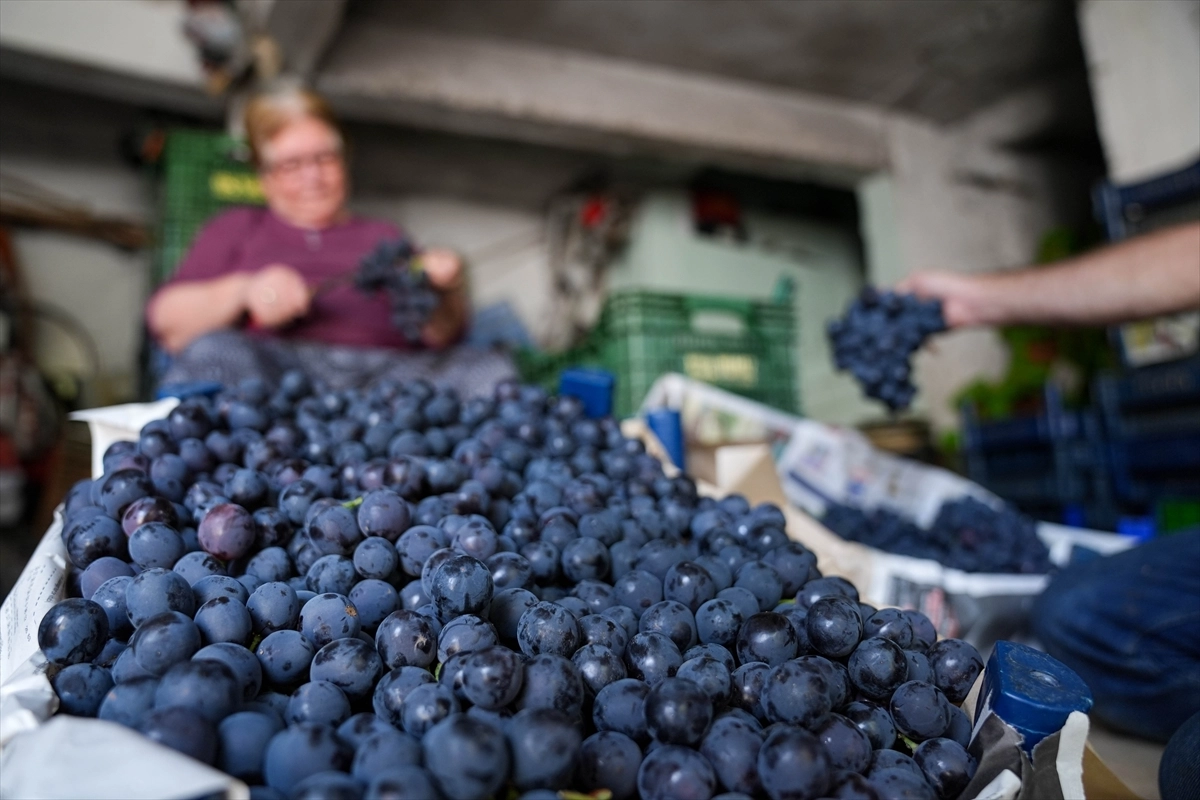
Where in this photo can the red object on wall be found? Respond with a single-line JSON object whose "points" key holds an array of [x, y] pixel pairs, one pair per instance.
{"points": [[594, 211], [714, 210]]}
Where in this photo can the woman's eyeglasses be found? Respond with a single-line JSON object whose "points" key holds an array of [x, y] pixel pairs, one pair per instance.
{"points": [[296, 164]]}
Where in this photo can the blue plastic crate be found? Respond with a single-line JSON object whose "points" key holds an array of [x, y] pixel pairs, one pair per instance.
{"points": [[1151, 422], [1044, 463], [1163, 422], [1159, 386], [1014, 432], [1172, 454], [1019, 462], [1125, 210], [1054, 423], [190, 389], [1038, 491]]}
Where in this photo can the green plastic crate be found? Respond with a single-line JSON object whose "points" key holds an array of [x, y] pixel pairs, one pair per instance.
{"points": [[204, 172], [642, 335]]}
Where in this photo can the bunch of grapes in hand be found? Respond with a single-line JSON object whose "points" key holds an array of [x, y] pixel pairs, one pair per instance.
{"points": [[391, 267]]}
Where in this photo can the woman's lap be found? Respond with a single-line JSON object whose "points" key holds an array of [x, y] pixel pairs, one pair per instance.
{"points": [[229, 357]]}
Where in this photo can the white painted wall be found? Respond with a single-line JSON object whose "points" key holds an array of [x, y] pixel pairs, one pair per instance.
{"points": [[1144, 64], [101, 286], [879, 230]]}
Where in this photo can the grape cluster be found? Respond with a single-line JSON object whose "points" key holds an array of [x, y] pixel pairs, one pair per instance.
{"points": [[395, 593], [876, 338], [388, 268], [967, 534]]}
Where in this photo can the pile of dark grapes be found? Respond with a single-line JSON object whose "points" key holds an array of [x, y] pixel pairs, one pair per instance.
{"points": [[388, 268], [395, 593], [967, 534], [877, 337]]}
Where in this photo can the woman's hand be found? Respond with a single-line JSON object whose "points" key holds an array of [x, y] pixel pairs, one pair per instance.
{"points": [[276, 295], [446, 275], [444, 268]]}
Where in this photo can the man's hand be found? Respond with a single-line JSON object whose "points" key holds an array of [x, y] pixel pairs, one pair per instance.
{"points": [[963, 296], [276, 295], [444, 268]]}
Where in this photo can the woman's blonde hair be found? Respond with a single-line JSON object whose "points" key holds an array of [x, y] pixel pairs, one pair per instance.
{"points": [[270, 112]]}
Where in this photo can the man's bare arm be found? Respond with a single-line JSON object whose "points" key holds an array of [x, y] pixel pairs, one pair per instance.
{"points": [[1157, 273]]}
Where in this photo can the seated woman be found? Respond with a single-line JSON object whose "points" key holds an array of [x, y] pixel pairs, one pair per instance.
{"points": [[245, 300]]}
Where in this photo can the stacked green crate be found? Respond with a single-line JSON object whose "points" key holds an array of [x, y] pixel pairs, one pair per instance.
{"points": [[643, 335], [779, 382], [646, 334], [204, 172]]}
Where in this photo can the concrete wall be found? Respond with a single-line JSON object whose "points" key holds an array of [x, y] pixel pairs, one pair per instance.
{"points": [[67, 143], [1144, 62]]}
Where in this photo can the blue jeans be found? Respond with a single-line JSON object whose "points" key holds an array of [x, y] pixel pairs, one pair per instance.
{"points": [[1129, 625], [1179, 770]]}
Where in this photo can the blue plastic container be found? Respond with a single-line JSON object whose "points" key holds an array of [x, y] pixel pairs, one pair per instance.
{"points": [[668, 427], [1031, 691], [593, 386], [1140, 528]]}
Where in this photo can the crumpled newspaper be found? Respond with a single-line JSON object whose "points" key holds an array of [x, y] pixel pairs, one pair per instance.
{"points": [[26, 698], [106, 759], [73, 757]]}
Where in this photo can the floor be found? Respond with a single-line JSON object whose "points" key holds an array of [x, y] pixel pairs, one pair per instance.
{"points": [[1135, 761]]}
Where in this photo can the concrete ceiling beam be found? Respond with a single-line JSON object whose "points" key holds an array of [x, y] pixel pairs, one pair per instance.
{"points": [[122, 49], [549, 96]]}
